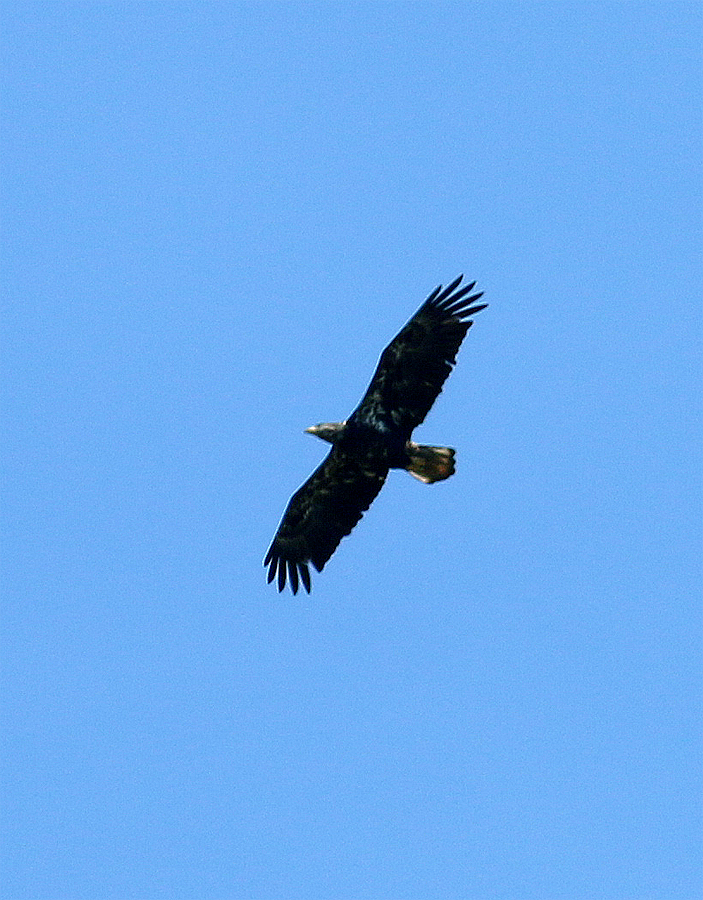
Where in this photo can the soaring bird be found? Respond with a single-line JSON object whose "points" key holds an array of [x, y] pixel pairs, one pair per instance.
{"points": [[376, 437]]}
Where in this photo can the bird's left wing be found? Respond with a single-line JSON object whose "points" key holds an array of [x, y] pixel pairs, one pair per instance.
{"points": [[418, 360], [320, 514]]}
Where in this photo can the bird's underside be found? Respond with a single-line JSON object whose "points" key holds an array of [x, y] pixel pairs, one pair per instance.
{"points": [[375, 438]]}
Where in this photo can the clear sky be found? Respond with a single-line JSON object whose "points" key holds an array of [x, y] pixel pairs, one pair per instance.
{"points": [[215, 217]]}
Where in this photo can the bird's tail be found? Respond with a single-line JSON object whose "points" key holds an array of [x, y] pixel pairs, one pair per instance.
{"points": [[430, 464]]}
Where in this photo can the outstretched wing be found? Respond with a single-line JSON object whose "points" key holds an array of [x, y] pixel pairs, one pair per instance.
{"points": [[320, 514], [418, 360]]}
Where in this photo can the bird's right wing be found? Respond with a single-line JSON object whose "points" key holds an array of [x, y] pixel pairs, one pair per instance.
{"points": [[320, 514]]}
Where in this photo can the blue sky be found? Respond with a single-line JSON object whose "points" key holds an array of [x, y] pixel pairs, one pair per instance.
{"points": [[215, 216]]}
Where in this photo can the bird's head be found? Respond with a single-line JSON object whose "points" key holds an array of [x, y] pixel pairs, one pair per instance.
{"points": [[327, 431]]}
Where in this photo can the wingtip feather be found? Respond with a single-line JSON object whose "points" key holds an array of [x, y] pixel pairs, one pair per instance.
{"points": [[448, 290], [293, 576]]}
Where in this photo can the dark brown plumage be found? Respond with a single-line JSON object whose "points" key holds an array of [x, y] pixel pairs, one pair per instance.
{"points": [[375, 438]]}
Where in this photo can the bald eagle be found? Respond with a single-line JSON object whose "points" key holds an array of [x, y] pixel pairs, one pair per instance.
{"points": [[375, 437]]}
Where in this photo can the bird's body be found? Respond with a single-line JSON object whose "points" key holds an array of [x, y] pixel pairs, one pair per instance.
{"points": [[375, 438]]}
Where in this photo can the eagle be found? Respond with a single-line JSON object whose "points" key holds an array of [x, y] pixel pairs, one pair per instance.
{"points": [[376, 437]]}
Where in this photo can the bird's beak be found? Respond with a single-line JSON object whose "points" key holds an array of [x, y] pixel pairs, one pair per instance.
{"points": [[311, 430]]}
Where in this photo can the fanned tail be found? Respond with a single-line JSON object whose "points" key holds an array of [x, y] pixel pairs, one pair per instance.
{"points": [[430, 464]]}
